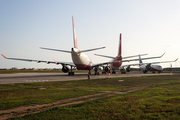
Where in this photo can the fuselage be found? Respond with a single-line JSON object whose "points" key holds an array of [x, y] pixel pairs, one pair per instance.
{"points": [[81, 60], [152, 67], [116, 66]]}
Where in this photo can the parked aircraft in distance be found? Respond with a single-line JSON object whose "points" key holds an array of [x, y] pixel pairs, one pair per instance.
{"points": [[80, 60], [117, 65], [145, 67]]}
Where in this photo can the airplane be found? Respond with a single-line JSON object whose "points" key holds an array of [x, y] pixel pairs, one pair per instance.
{"points": [[145, 67], [80, 60], [116, 65]]}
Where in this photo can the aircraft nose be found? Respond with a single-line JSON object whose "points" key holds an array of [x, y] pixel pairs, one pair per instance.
{"points": [[160, 67]]}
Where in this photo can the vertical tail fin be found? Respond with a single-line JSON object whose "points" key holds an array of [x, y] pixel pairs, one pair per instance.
{"points": [[120, 42], [140, 61], [74, 34]]}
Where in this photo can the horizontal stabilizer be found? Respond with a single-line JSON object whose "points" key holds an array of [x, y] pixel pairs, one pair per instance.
{"points": [[105, 56], [92, 49], [56, 50]]}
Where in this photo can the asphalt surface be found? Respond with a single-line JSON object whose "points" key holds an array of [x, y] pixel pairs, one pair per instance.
{"points": [[49, 77]]}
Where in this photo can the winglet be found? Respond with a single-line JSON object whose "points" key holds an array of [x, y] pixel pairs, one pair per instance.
{"points": [[176, 59], [54, 60], [162, 55], [3, 56]]}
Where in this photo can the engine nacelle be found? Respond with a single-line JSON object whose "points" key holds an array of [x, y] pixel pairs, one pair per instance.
{"points": [[107, 69], [128, 69], [65, 69], [148, 66], [144, 71], [96, 69]]}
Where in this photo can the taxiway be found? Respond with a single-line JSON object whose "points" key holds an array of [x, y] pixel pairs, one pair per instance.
{"points": [[49, 77]]}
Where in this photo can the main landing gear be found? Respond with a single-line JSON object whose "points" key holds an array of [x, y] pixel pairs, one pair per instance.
{"points": [[71, 72], [89, 73], [103, 72], [123, 71], [113, 72], [96, 72]]}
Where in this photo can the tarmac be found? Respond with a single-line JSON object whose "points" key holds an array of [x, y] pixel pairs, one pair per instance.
{"points": [[50, 77]]}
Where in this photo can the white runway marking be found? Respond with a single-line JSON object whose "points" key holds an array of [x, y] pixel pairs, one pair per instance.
{"points": [[36, 80]]}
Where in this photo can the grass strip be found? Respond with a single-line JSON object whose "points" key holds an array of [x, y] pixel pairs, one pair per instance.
{"points": [[164, 89]]}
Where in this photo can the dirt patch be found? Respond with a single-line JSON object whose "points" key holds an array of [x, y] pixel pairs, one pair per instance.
{"points": [[25, 110], [121, 80]]}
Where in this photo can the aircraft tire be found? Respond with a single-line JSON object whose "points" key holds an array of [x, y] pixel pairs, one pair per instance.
{"points": [[71, 73]]}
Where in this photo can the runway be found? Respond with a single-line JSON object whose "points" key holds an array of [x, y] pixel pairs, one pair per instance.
{"points": [[49, 77]]}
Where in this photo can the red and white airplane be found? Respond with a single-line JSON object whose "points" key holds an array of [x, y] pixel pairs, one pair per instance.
{"points": [[80, 60], [115, 65]]}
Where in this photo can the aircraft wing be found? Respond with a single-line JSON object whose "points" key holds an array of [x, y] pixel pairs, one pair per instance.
{"points": [[161, 62], [41, 61], [105, 63], [111, 62], [122, 66], [148, 63], [122, 57], [144, 58], [141, 58], [133, 56]]}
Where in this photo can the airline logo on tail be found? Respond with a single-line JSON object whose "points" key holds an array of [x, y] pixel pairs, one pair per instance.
{"points": [[74, 34]]}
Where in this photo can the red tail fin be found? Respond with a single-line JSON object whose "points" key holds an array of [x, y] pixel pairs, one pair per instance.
{"points": [[120, 42], [74, 34]]}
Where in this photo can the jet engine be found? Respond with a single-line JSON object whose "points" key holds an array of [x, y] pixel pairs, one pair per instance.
{"points": [[107, 69], [148, 66], [65, 69], [128, 69], [96, 69]]}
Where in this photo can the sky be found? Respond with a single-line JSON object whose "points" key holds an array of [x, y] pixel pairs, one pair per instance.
{"points": [[147, 26]]}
